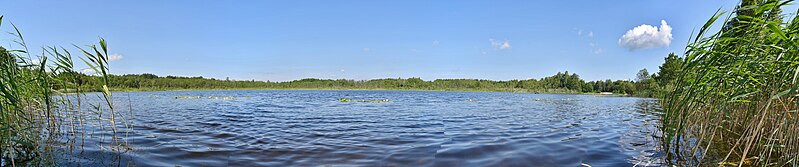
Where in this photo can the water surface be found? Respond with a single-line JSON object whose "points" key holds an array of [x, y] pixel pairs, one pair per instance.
{"points": [[416, 128]]}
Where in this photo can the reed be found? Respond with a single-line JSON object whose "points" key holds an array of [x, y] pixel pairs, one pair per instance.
{"points": [[736, 102], [36, 119]]}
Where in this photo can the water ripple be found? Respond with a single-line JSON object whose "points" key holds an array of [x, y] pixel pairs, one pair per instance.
{"points": [[311, 128]]}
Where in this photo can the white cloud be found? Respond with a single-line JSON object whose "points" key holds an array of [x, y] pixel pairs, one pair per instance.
{"points": [[114, 57], [647, 36], [595, 48], [581, 32], [36, 61], [88, 71], [435, 42], [366, 49], [598, 50], [589, 37], [500, 45], [505, 45]]}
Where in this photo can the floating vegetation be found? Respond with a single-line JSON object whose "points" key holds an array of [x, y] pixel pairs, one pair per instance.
{"points": [[209, 97], [363, 101], [222, 97], [187, 97]]}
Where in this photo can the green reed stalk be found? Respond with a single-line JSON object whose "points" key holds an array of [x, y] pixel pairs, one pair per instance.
{"points": [[35, 114], [736, 102]]}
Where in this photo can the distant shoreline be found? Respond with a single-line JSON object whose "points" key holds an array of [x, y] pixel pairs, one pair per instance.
{"points": [[425, 90]]}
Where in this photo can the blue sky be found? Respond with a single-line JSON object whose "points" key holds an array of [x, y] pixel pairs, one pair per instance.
{"points": [[287, 40]]}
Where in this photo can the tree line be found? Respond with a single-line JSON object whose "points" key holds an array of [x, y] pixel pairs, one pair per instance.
{"points": [[563, 82]]}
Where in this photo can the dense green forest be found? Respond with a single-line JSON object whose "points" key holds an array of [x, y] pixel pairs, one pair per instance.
{"points": [[563, 82]]}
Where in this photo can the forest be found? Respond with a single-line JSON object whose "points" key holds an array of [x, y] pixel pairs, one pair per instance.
{"points": [[731, 99], [645, 84]]}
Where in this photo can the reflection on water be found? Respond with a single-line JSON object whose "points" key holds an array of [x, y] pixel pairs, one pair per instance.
{"points": [[310, 128]]}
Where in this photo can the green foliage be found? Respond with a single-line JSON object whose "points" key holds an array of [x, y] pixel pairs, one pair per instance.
{"points": [[33, 116], [734, 99], [670, 69], [24, 101], [617, 87], [646, 85], [562, 82]]}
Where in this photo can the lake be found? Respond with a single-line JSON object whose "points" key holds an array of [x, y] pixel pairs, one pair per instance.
{"points": [[413, 128]]}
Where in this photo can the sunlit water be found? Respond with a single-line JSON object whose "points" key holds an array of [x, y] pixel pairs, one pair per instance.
{"points": [[416, 128]]}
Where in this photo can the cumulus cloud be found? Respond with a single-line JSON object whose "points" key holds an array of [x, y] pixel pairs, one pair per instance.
{"points": [[647, 36], [500, 45], [114, 57]]}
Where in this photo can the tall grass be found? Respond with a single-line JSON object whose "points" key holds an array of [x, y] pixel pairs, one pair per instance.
{"points": [[36, 119], [736, 102]]}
